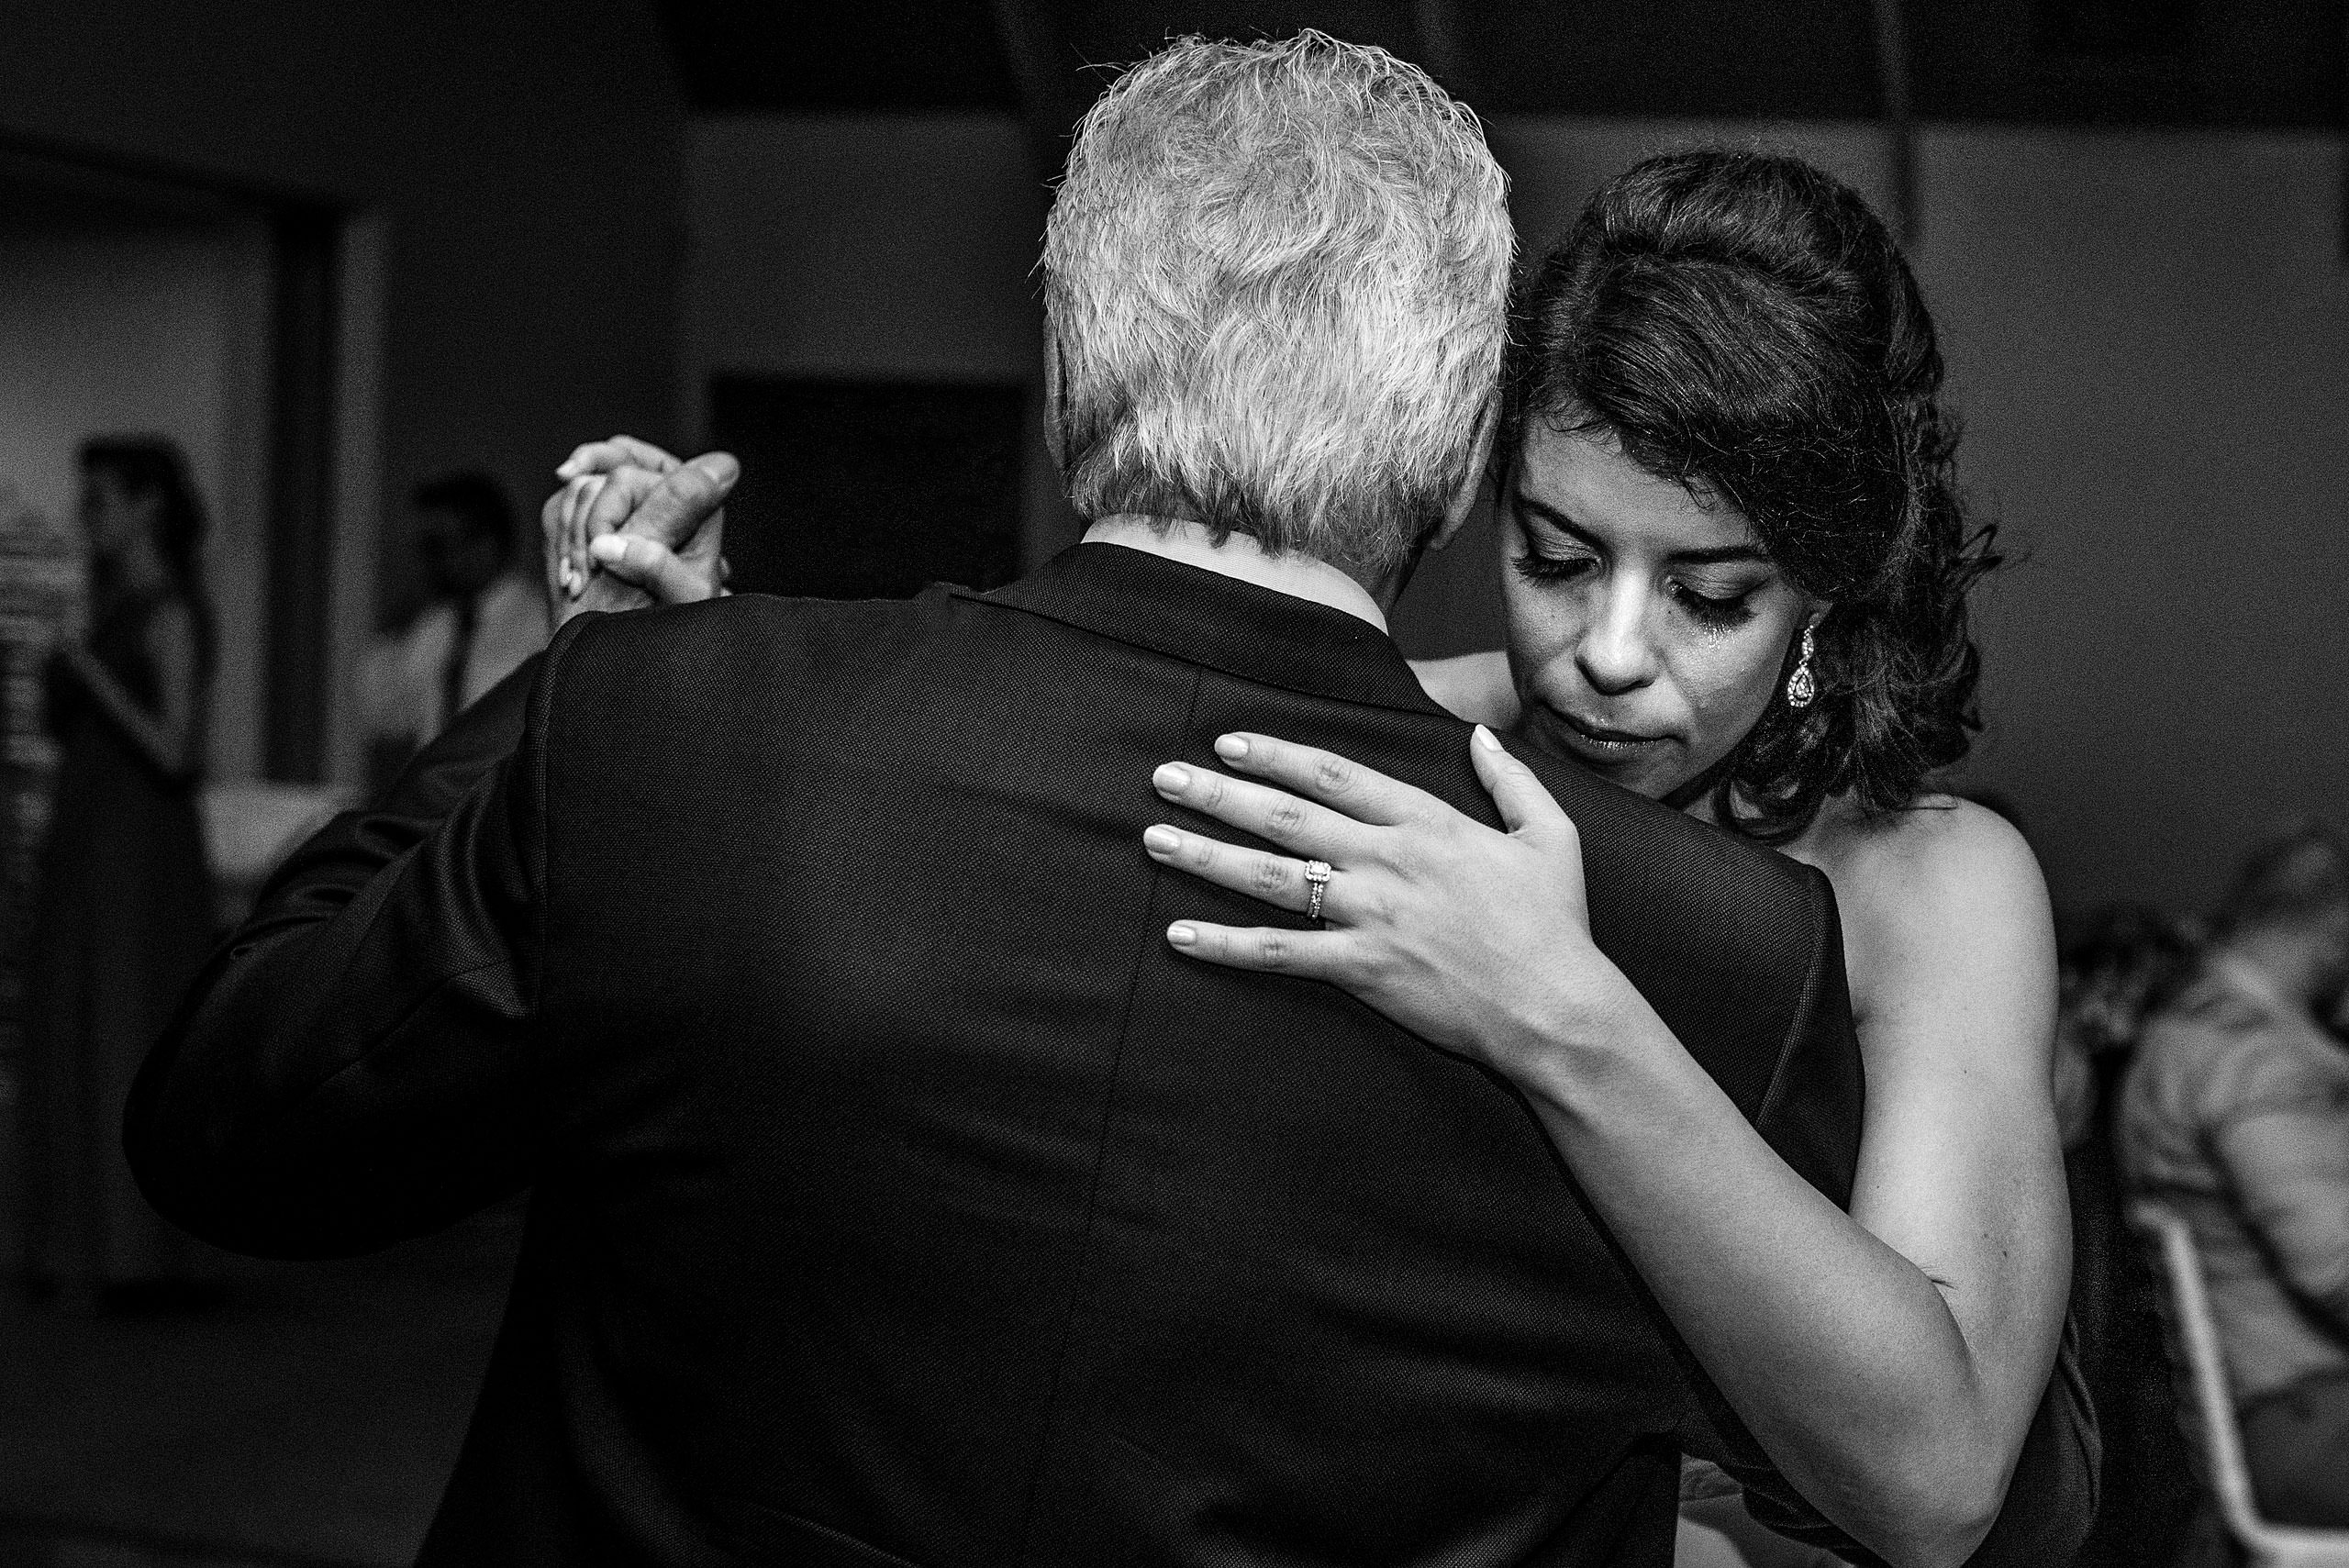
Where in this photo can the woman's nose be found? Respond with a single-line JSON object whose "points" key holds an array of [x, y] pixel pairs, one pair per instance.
{"points": [[1614, 654]]}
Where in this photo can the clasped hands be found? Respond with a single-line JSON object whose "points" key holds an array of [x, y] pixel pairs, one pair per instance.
{"points": [[633, 526]]}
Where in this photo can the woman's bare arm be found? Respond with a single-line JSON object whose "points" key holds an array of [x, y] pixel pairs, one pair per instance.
{"points": [[167, 737], [1889, 1360], [1950, 948]]}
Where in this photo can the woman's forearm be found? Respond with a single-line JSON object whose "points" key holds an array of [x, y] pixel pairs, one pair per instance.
{"points": [[1838, 1353], [165, 750]]}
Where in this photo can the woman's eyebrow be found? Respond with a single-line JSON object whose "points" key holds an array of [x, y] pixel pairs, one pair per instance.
{"points": [[1716, 555], [1721, 555], [1543, 512]]}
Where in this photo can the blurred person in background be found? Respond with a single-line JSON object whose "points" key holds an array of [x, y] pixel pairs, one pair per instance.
{"points": [[2236, 1114], [2118, 963], [487, 615], [123, 917]]}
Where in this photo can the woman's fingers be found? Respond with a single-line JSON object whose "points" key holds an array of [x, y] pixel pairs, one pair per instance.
{"points": [[1275, 816], [1310, 955], [1362, 794], [613, 504], [602, 457], [1278, 880], [578, 568], [1525, 805], [563, 542]]}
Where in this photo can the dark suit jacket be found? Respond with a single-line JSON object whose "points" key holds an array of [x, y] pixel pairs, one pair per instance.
{"points": [[898, 1195]]}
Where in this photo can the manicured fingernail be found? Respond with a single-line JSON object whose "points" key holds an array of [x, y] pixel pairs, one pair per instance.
{"points": [[1182, 936], [608, 547], [1487, 739], [1171, 776], [1230, 748], [1161, 841]]}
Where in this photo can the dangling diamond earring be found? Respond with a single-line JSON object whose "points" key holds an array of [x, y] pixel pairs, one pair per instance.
{"points": [[1800, 687]]}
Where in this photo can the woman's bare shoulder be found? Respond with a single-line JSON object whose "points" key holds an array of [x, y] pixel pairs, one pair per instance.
{"points": [[1936, 848], [1474, 686], [1937, 898]]}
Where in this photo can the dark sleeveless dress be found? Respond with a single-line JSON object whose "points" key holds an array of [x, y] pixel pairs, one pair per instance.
{"points": [[122, 919]]}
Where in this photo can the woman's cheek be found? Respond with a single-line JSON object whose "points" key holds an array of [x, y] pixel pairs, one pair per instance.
{"points": [[1727, 693], [1541, 640]]}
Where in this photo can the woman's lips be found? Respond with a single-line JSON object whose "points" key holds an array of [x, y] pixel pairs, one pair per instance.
{"points": [[1604, 741]]}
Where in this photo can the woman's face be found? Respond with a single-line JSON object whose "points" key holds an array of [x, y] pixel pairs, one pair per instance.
{"points": [[1646, 629], [112, 518]]}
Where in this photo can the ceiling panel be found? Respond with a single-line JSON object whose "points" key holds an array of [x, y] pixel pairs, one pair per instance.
{"points": [[872, 55], [2273, 62]]}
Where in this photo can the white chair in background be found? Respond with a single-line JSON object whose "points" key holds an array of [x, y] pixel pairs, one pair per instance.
{"points": [[2208, 1411], [248, 827]]}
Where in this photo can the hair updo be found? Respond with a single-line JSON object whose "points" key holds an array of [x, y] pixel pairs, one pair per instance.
{"points": [[1743, 325]]}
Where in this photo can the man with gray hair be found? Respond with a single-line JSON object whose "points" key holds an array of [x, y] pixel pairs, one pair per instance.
{"points": [[898, 1195]]}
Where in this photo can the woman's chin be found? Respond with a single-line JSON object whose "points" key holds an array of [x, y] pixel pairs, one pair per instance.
{"points": [[1649, 767]]}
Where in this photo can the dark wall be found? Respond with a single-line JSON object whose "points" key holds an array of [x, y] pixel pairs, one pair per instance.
{"points": [[526, 159]]}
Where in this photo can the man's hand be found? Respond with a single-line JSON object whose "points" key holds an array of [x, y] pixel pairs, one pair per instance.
{"points": [[653, 525]]}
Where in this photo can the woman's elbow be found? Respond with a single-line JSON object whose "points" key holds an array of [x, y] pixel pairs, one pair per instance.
{"points": [[1948, 1515], [1929, 1502]]}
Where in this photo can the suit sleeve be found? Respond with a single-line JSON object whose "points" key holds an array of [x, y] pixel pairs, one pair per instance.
{"points": [[352, 1067]]}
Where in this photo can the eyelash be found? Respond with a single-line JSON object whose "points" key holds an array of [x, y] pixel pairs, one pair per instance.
{"points": [[1719, 614]]}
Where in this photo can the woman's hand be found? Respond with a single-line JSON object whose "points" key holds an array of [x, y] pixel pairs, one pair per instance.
{"points": [[653, 524], [1429, 916]]}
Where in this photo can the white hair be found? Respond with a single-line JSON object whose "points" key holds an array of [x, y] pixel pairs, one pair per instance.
{"points": [[1275, 281]]}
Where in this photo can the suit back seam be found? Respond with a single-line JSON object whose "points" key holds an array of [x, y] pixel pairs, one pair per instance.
{"points": [[1082, 1288]]}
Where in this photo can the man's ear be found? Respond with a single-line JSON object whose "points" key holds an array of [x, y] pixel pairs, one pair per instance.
{"points": [[1054, 388], [1464, 500]]}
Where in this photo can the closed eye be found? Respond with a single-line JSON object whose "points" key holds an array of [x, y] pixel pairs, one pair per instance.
{"points": [[1719, 613], [1535, 567]]}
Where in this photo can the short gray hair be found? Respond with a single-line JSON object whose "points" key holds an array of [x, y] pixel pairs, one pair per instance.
{"points": [[1276, 281]]}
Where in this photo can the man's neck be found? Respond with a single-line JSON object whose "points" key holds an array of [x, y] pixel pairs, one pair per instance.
{"points": [[1299, 576]]}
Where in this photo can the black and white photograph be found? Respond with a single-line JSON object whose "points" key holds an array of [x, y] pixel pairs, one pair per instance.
{"points": [[1085, 783]]}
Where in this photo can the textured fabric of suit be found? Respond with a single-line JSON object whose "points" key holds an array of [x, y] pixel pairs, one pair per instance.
{"points": [[898, 1195]]}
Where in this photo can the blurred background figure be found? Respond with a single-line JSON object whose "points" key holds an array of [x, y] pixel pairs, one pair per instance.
{"points": [[2236, 1116], [124, 911], [2118, 963], [487, 614]]}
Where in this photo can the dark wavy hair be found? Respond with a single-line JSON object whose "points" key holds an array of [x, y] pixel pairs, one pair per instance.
{"points": [[154, 465], [1744, 325]]}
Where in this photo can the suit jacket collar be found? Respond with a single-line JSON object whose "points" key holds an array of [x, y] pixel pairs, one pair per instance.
{"points": [[1205, 618]]}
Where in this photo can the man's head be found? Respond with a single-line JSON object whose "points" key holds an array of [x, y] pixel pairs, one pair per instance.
{"points": [[1276, 283], [2288, 911], [465, 533]]}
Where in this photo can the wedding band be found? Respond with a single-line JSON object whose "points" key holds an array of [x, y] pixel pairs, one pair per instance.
{"points": [[1317, 881]]}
